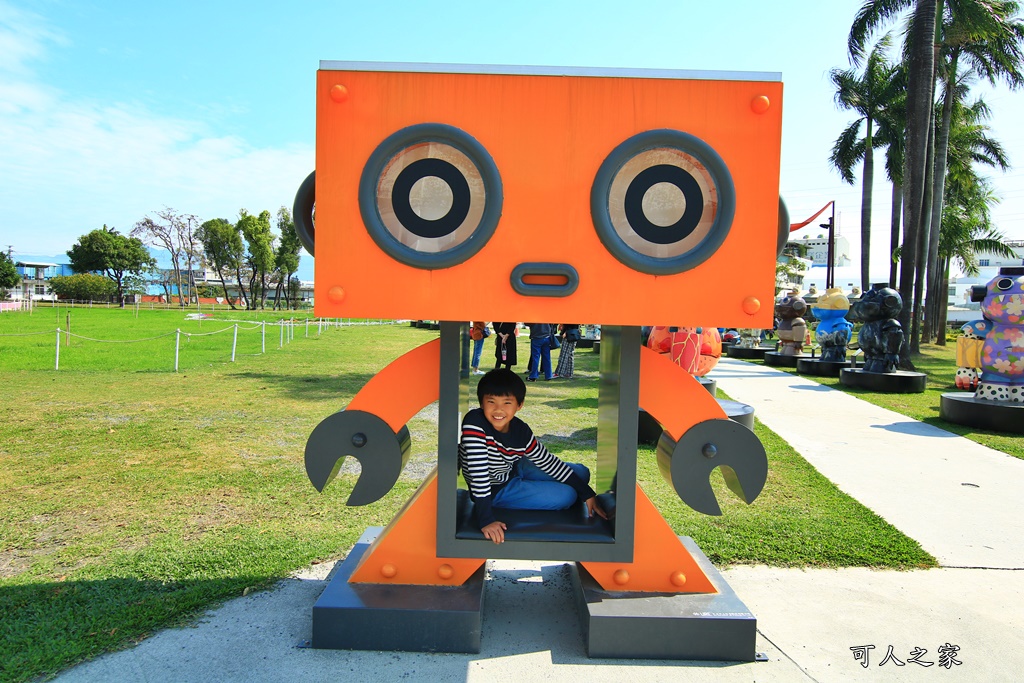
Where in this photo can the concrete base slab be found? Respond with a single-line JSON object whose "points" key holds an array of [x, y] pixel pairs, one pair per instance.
{"points": [[716, 627], [997, 416], [822, 368], [397, 618], [898, 382]]}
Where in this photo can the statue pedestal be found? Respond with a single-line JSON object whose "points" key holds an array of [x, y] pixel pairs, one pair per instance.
{"points": [[368, 616], [715, 626], [779, 360], [822, 368], [744, 353], [997, 416], [649, 430], [897, 382]]}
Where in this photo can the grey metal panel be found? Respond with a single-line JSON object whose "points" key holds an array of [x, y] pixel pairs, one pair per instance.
{"points": [[454, 375], [716, 626], [618, 406], [528, 70]]}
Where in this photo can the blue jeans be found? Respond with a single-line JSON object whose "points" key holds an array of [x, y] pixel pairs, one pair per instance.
{"points": [[478, 347], [540, 350], [530, 488]]}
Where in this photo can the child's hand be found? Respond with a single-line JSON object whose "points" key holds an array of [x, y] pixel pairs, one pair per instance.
{"points": [[594, 508], [495, 531]]}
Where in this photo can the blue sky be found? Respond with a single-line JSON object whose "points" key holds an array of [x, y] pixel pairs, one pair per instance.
{"points": [[110, 110]]}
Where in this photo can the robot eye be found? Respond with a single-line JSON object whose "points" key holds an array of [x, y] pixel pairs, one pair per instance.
{"points": [[430, 196], [662, 202], [1004, 283]]}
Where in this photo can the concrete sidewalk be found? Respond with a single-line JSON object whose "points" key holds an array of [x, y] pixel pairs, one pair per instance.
{"points": [[808, 620]]}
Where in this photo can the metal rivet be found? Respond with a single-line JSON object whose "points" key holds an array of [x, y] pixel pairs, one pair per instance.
{"points": [[359, 440], [710, 450]]}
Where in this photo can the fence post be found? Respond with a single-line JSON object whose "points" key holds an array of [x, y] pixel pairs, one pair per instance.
{"points": [[56, 362], [280, 341], [263, 336], [177, 344], [307, 327], [234, 343]]}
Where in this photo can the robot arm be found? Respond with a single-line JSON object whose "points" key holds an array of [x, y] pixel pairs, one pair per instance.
{"points": [[698, 437], [372, 428]]}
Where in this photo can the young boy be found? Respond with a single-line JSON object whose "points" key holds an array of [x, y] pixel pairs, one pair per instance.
{"points": [[506, 466]]}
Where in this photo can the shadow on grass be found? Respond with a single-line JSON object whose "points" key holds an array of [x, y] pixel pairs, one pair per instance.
{"points": [[97, 616], [573, 403], [313, 387]]}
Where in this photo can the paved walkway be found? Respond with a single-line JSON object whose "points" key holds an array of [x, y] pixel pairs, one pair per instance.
{"points": [[948, 493]]}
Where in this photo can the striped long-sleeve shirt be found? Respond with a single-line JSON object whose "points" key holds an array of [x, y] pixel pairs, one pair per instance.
{"points": [[488, 458]]}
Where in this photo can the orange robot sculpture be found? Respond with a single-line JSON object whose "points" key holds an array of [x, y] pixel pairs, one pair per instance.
{"points": [[476, 193]]}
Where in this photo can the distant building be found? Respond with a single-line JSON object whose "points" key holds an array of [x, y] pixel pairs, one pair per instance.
{"points": [[817, 250], [35, 277]]}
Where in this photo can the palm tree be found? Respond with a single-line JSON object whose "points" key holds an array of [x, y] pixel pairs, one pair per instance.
{"points": [[869, 94], [987, 38], [965, 218], [920, 60]]}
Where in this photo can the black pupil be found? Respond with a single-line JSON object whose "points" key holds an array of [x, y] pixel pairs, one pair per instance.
{"points": [[425, 168], [1005, 283], [645, 180]]}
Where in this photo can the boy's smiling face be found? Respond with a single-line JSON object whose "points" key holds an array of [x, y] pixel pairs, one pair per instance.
{"points": [[499, 410]]}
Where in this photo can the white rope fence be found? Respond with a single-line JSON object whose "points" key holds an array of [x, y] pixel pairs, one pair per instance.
{"points": [[286, 334]]}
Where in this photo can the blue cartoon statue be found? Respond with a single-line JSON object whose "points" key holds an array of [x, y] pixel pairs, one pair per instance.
{"points": [[969, 347], [882, 335], [1002, 358], [834, 330]]}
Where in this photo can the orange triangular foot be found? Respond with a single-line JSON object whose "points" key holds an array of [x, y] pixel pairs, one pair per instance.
{"points": [[661, 564], [406, 551]]}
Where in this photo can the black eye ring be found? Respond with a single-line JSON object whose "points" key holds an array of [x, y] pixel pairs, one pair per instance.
{"points": [[692, 222], [467, 196], [1004, 283]]}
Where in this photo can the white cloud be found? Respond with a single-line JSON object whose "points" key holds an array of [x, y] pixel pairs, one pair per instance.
{"points": [[70, 165]]}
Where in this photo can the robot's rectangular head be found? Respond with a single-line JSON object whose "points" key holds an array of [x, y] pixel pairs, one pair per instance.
{"points": [[509, 193]]}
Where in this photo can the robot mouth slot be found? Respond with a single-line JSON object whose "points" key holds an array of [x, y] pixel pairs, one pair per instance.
{"points": [[545, 279]]}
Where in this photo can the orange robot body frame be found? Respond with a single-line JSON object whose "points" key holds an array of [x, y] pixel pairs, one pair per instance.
{"points": [[550, 135]]}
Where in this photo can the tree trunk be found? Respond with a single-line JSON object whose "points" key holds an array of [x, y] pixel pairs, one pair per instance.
{"points": [[919, 115], [943, 306], [939, 185], [241, 287], [894, 231], [224, 286], [922, 247], [866, 193]]}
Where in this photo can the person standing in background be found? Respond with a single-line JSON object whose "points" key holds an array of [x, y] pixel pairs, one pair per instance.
{"points": [[477, 332], [570, 334], [505, 345], [540, 351]]}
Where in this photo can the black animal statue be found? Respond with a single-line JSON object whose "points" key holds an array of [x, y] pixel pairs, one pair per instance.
{"points": [[882, 335]]}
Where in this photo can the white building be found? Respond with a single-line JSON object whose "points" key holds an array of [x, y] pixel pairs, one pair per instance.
{"points": [[817, 250]]}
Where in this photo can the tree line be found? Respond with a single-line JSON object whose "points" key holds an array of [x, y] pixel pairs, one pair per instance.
{"points": [[921, 110], [108, 263]]}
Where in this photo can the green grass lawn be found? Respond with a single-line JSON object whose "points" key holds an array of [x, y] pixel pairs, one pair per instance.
{"points": [[939, 364], [135, 496]]}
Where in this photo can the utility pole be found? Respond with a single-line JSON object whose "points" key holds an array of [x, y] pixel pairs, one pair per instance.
{"points": [[830, 266]]}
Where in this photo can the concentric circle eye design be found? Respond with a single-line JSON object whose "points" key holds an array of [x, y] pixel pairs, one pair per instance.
{"points": [[1004, 283], [430, 196], [662, 202]]}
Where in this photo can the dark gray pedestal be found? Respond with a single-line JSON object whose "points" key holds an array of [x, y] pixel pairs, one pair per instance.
{"points": [[746, 353], [780, 360], [649, 430], [394, 617], [822, 368], [898, 382], [997, 416], [716, 627]]}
